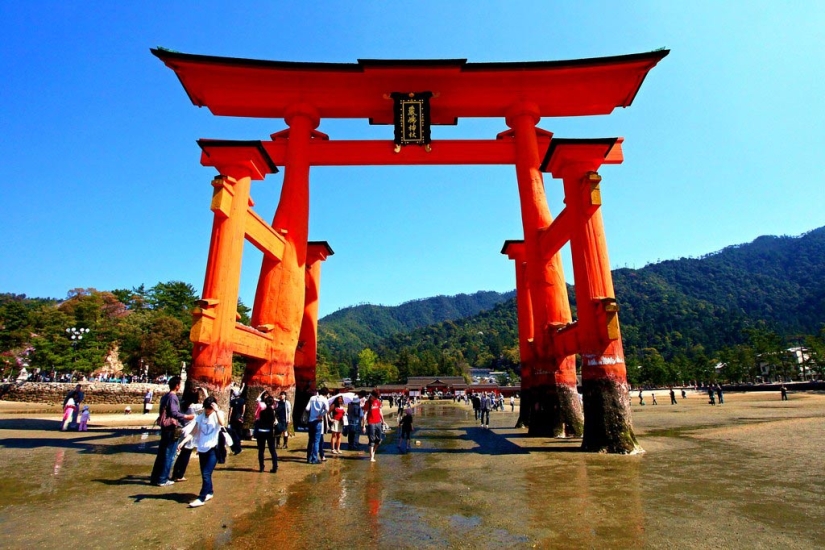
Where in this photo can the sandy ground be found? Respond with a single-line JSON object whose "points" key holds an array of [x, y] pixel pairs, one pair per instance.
{"points": [[747, 474]]}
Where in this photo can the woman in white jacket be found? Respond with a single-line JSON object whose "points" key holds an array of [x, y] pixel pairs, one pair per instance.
{"points": [[206, 431]]}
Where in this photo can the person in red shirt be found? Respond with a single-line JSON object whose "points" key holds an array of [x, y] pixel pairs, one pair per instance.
{"points": [[375, 422], [336, 424]]}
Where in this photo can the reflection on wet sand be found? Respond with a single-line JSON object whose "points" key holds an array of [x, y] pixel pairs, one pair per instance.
{"points": [[463, 487]]}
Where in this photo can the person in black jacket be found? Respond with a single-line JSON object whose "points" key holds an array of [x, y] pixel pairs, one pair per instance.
{"points": [[265, 434], [168, 447]]}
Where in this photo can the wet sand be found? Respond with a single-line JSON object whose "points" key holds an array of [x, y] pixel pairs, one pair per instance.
{"points": [[747, 474]]}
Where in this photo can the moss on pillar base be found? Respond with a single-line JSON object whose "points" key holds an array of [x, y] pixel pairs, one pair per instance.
{"points": [[525, 406], [571, 416], [607, 423], [554, 411]]}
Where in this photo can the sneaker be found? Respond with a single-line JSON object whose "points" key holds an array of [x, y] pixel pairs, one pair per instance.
{"points": [[168, 483], [196, 503], [179, 480], [208, 497], [372, 460]]}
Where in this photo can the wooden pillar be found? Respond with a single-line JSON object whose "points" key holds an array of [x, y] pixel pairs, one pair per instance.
{"points": [[608, 426], [279, 300], [555, 407], [306, 353], [214, 318], [524, 308]]}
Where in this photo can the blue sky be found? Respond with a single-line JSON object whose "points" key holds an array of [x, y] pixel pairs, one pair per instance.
{"points": [[102, 185]]}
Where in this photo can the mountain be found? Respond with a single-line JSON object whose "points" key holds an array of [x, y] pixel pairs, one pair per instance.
{"points": [[349, 330], [680, 308]]}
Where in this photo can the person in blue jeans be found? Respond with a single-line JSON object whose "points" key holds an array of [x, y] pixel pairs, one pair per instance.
{"points": [[207, 431], [167, 448], [317, 409]]}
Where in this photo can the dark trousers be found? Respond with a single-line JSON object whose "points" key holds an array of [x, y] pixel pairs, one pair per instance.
{"points": [[315, 440], [208, 461], [166, 455], [179, 470], [475, 412], [267, 439], [483, 413]]}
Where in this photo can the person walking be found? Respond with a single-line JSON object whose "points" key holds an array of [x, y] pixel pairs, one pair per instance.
{"points": [[237, 410], [265, 434], [206, 433], [783, 391], [484, 407], [672, 397], [69, 408], [192, 402], [283, 419], [336, 424], [641, 398], [147, 401], [317, 409], [719, 395], [375, 422], [354, 418], [684, 394], [512, 404], [711, 396], [653, 395], [476, 405], [406, 430], [169, 409]]}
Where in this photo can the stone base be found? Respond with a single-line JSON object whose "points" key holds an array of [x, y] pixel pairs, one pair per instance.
{"points": [[553, 411], [608, 427]]}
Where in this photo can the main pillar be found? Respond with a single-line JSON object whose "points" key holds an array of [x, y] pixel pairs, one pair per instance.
{"points": [[608, 426], [306, 353], [552, 397], [215, 315], [279, 301]]}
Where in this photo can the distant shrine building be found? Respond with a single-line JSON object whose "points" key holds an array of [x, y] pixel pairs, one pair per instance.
{"points": [[411, 97]]}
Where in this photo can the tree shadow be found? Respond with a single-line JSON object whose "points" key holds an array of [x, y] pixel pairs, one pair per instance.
{"points": [[92, 442]]}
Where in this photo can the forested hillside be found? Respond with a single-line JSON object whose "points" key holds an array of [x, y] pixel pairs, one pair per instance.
{"points": [[348, 331], [679, 318]]}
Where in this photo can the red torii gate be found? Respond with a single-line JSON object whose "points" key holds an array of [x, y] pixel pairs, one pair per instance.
{"points": [[280, 343]]}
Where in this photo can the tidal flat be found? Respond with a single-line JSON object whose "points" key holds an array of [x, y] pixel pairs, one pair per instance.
{"points": [[746, 474]]}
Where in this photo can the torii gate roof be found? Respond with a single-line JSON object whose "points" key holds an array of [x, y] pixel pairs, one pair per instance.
{"points": [[265, 89]]}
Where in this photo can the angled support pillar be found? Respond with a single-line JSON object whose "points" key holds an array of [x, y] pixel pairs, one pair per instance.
{"points": [[555, 408], [306, 353], [608, 426], [279, 299], [215, 334]]}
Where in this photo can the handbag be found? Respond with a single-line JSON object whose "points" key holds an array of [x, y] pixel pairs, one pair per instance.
{"points": [[165, 420]]}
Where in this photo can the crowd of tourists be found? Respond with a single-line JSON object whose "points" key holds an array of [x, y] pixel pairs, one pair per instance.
{"points": [[195, 423]]}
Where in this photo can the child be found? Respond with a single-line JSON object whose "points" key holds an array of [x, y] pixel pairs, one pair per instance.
{"points": [[406, 430], [84, 419]]}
